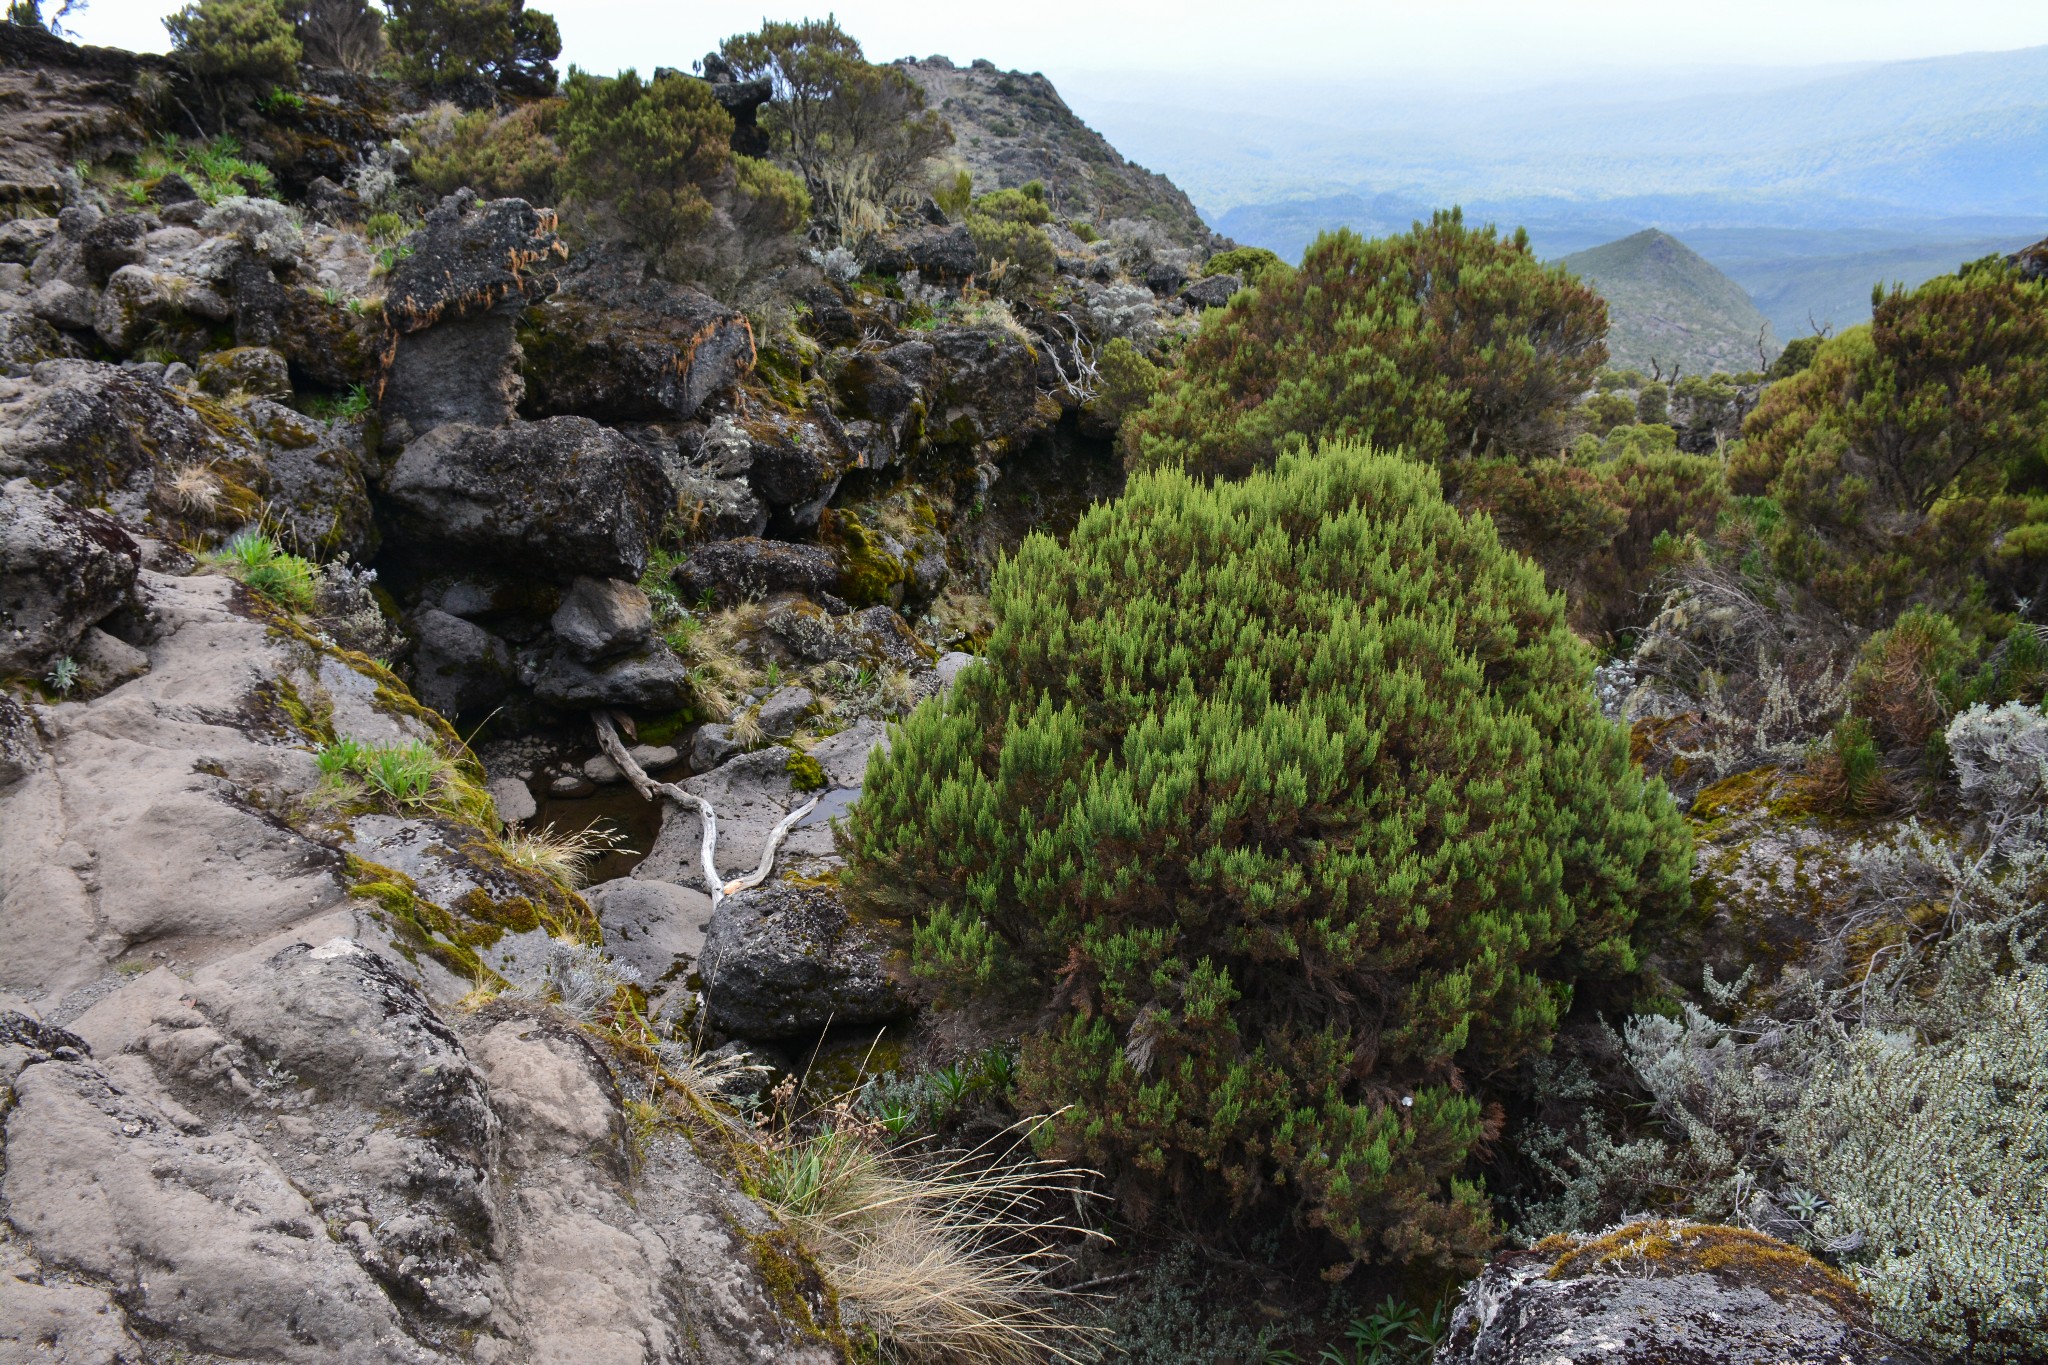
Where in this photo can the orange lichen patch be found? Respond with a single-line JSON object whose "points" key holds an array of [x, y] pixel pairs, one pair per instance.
{"points": [[1661, 1246]]}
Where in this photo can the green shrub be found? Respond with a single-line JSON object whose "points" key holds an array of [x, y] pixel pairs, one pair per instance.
{"points": [[859, 134], [1285, 807], [442, 41], [1248, 263], [1893, 452], [1653, 404], [1606, 411], [510, 157], [1025, 204], [1447, 341], [1010, 255], [953, 191], [1128, 380], [1796, 356], [651, 152], [770, 202], [250, 43]]}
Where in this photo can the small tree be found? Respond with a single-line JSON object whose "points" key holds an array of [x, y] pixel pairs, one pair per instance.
{"points": [[1280, 816], [29, 14], [502, 41], [651, 151], [859, 134], [347, 35], [1451, 342], [247, 44]]}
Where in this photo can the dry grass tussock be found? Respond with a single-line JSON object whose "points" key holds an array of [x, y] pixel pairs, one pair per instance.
{"points": [[948, 1255], [713, 647], [564, 855]]}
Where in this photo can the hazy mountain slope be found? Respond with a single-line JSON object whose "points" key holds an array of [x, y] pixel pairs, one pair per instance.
{"points": [[1941, 136], [1011, 127], [1669, 307]]}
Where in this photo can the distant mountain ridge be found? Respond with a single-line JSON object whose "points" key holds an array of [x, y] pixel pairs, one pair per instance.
{"points": [[1805, 187], [1668, 307]]}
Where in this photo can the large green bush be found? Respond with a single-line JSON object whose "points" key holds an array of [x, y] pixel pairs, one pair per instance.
{"points": [[1448, 341], [1280, 813], [651, 150], [443, 41], [1894, 451], [243, 42]]}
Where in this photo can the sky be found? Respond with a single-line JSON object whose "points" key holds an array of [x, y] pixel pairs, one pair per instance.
{"points": [[1323, 41]]}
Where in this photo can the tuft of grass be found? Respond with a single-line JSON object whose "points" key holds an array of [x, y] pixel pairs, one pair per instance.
{"points": [[411, 775], [285, 579], [196, 488], [565, 856], [946, 1254]]}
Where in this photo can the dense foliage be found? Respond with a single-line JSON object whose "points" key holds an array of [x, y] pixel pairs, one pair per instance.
{"points": [[650, 162], [1285, 805], [443, 41], [1451, 342], [249, 42], [344, 34], [857, 133], [1896, 453]]}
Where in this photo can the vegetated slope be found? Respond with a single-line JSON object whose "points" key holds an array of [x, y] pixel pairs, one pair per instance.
{"points": [[1011, 128], [1668, 305]]}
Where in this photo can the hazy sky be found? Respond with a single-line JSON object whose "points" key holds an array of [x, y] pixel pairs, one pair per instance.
{"points": [[1323, 40]]}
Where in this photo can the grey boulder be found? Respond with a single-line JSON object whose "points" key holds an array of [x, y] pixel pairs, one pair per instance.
{"points": [[602, 617], [783, 960], [61, 571], [1663, 1308], [732, 571], [564, 496], [652, 680], [655, 927], [458, 666]]}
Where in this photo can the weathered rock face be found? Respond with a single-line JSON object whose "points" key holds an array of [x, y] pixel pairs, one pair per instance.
{"points": [[620, 344], [453, 304], [733, 571], [560, 497], [782, 960], [61, 570], [1012, 127], [98, 432], [656, 927], [1659, 1294], [294, 1148], [64, 102]]}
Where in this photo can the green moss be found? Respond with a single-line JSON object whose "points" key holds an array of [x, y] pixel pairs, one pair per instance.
{"points": [[804, 772], [798, 1289], [873, 575], [668, 728], [1740, 794]]}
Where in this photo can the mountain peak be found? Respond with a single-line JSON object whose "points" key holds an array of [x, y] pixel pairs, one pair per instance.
{"points": [[1667, 305]]}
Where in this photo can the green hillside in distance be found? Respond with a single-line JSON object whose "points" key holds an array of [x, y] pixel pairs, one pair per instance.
{"points": [[1666, 304]]}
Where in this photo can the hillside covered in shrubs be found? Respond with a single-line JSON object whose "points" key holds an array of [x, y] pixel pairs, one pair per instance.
{"points": [[777, 712]]}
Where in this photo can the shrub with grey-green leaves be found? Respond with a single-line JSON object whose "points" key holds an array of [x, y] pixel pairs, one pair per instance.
{"points": [[2001, 760]]}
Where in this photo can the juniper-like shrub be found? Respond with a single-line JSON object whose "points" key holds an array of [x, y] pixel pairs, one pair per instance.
{"points": [[1280, 815], [1449, 341], [1898, 451]]}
